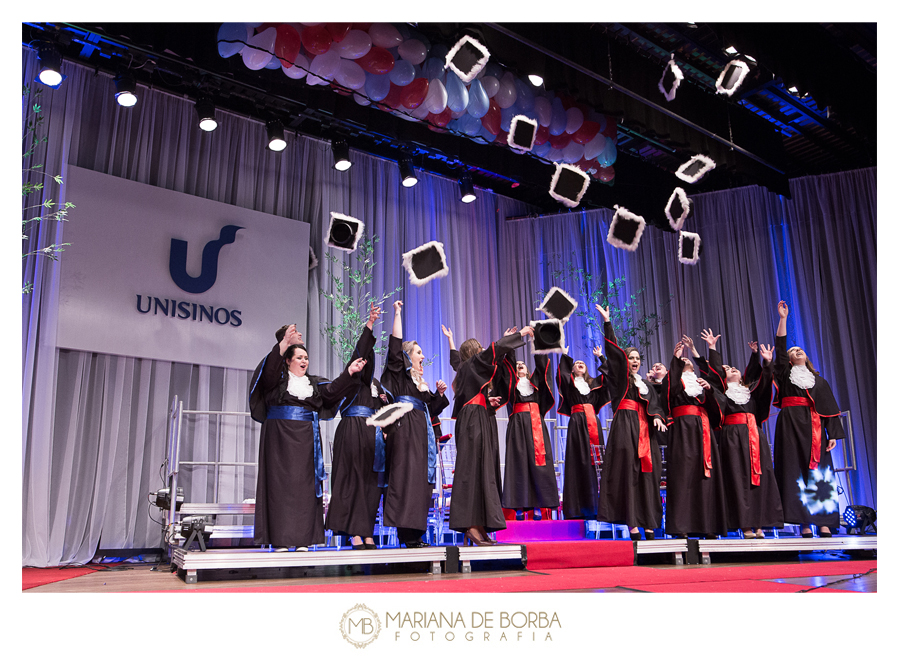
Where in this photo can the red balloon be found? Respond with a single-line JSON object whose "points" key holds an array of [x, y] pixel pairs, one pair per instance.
{"points": [[604, 174], [491, 120], [587, 166], [542, 135], [338, 30], [441, 119], [414, 93], [287, 44], [560, 141], [587, 132], [502, 137], [316, 39], [378, 60], [393, 97], [362, 26]]}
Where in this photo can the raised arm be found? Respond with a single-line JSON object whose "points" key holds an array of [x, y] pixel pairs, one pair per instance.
{"points": [[782, 361], [397, 330], [449, 335]]}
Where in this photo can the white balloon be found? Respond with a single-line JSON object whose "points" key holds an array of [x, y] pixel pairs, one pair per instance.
{"points": [[436, 98], [299, 69], [574, 119], [542, 110], [256, 58], [413, 51], [324, 66], [491, 85], [350, 74]]}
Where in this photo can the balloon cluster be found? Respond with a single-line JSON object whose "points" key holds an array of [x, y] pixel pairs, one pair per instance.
{"points": [[401, 71]]}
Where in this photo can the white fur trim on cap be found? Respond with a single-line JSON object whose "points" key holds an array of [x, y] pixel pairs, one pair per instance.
{"points": [[407, 263], [389, 414], [709, 166], [357, 236], [696, 239], [623, 214], [467, 76], [743, 71], [680, 196], [563, 200], [679, 76], [549, 295], [512, 129]]}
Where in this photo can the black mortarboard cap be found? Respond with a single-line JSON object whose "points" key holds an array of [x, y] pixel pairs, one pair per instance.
{"points": [[343, 232], [731, 77], [426, 263], [467, 58], [626, 229], [389, 414], [689, 248], [671, 79], [548, 337], [522, 132], [695, 168], [569, 184], [558, 304], [678, 209]]}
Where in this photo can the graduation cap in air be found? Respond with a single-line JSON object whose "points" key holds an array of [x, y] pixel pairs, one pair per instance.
{"points": [[732, 76], [522, 132], [569, 184], [626, 229], [558, 304], [343, 232], [548, 337], [671, 78], [426, 263], [689, 248], [695, 168], [678, 209], [313, 261], [389, 414], [467, 58]]}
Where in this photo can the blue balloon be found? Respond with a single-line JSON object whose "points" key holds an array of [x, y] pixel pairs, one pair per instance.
{"points": [[506, 115], [236, 32], [493, 69], [377, 86], [479, 103], [524, 95], [433, 68], [403, 73], [487, 134], [558, 118], [274, 63], [541, 149], [457, 94], [469, 125]]}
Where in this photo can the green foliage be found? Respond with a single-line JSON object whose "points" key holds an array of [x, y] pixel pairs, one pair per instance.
{"points": [[353, 300], [633, 327], [33, 180]]}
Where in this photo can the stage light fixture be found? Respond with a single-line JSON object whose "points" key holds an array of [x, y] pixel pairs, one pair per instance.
{"points": [[535, 79], [51, 63], [408, 173], [731, 50], [164, 501], [466, 189], [793, 90], [341, 152], [206, 113], [276, 135], [859, 518], [196, 527], [125, 88]]}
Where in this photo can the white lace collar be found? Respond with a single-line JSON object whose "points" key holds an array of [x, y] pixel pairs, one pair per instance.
{"points": [[299, 387], [583, 387], [525, 387], [640, 383], [802, 377], [737, 393], [691, 387]]}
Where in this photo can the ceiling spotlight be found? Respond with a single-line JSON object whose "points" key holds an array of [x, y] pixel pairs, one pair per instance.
{"points": [[51, 63], [276, 135], [731, 50], [125, 88], [749, 59], [466, 189], [341, 152], [535, 79], [407, 173], [793, 90], [206, 113]]}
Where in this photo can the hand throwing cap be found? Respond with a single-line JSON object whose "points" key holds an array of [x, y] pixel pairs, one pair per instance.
{"points": [[569, 184], [689, 247], [678, 209], [343, 232], [558, 304], [695, 168], [626, 229], [548, 337], [426, 263], [467, 58], [389, 414], [522, 132]]}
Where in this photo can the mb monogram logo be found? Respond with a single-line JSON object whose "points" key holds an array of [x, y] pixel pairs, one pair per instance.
{"points": [[209, 271], [360, 626]]}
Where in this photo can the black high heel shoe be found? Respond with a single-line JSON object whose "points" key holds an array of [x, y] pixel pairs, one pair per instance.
{"points": [[635, 536], [648, 535], [476, 541]]}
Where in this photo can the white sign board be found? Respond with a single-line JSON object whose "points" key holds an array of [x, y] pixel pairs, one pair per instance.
{"points": [[157, 274]]}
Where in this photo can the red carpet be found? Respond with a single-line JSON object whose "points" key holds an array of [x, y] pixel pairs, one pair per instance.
{"points": [[579, 554], [646, 579], [522, 532], [35, 577]]}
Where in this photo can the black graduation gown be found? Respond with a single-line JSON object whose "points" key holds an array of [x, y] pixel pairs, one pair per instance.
{"points": [[355, 490], [695, 503], [808, 497], [746, 505], [475, 500], [288, 512], [580, 488], [408, 496], [525, 484], [627, 495]]}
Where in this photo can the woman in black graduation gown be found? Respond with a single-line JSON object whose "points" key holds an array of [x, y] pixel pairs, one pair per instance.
{"points": [[695, 493], [475, 507], [289, 403], [752, 500], [357, 465], [629, 479], [529, 478], [803, 465], [580, 398], [410, 444]]}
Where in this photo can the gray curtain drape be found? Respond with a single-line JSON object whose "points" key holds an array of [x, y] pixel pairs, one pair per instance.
{"points": [[94, 425]]}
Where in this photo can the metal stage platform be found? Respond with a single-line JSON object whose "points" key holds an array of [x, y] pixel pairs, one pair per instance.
{"points": [[454, 558], [785, 544]]}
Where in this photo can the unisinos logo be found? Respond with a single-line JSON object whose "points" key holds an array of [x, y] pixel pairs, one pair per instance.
{"points": [[360, 626], [192, 310]]}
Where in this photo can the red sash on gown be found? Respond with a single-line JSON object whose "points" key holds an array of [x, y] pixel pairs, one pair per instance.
{"points": [[694, 410], [816, 449], [537, 431], [644, 440], [750, 421]]}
